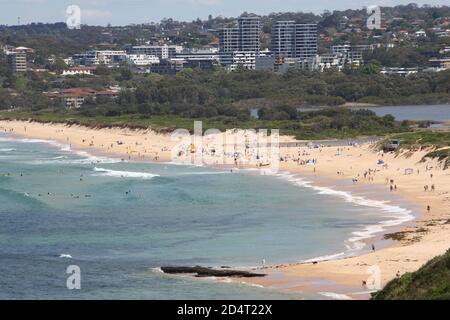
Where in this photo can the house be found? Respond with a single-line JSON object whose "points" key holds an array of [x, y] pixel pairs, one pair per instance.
{"points": [[440, 64], [399, 71], [420, 34], [85, 71], [142, 59], [75, 97]]}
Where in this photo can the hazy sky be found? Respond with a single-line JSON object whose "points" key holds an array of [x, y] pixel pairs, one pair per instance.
{"points": [[121, 12]]}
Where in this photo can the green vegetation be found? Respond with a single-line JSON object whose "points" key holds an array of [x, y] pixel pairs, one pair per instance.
{"points": [[440, 154], [193, 93], [431, 282], [437, 141], [224, 100], [336, 123], [423, 139]]}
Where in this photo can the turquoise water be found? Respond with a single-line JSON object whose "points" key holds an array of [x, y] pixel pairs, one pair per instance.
{"points": [[121, 221]]}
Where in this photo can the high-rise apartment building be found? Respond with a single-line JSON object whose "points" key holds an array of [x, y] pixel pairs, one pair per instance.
{"points": [[283, 39], [229, 40], [246, 36], [250, 32], [292, 40], [240, 45], [18, 61], [305, 40], [17, 58]]}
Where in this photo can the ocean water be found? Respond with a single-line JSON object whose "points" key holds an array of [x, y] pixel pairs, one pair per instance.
{"points": [[120, 222]]}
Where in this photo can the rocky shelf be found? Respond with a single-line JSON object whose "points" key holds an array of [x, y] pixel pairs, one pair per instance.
{"points": [[199, 271]]}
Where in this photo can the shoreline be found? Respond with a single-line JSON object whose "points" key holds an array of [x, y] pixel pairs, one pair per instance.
{"points": [[346, 273]]}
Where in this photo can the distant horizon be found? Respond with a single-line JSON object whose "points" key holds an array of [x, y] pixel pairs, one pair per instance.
{"points": [[119, 13]]}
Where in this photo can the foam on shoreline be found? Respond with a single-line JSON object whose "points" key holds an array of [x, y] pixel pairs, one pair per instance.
{"points": [[395, 215], [102, 172], [86, 158]]}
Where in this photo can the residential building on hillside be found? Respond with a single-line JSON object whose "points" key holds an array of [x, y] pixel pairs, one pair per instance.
{"points": [[440, 64], [229, 40], [305, 40], [239, 60], [97, 57], [75, 97], [240, 45], [17, 58], [399, 71], [167, 67], [293, 40], [283, 39], [250, 32], [74, 71], [162, 52], [141, 59]]}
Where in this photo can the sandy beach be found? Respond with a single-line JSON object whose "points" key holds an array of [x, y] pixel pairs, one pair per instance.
{"points": [[420, 183]]}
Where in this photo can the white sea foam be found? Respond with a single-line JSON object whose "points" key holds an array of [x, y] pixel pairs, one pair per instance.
{"points": [[184, 163], [7, 150], [395, 215], [201, 173], [327, 257], [123, 174], [232, 281], [86, 158], [335, 296], [157, 270]]}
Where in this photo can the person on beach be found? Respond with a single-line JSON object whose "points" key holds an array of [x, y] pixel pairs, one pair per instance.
{"points": [[428, 209], [373, 247]]}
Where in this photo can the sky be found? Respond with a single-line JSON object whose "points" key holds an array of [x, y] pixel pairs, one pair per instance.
{"points": [[123, 12]]}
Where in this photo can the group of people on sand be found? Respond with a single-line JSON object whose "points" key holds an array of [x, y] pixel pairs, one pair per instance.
{"points": [[132, 154]]}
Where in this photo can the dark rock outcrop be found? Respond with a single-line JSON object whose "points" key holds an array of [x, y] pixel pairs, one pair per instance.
{"points": [[199, 271]]}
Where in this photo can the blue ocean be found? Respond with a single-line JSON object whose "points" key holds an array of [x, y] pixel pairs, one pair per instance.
{"points": [[121, 221]]}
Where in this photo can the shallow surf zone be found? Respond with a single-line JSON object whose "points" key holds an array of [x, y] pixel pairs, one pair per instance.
{"points": [[335, 296], [84, 156], [123, 174], [394, 215]]}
